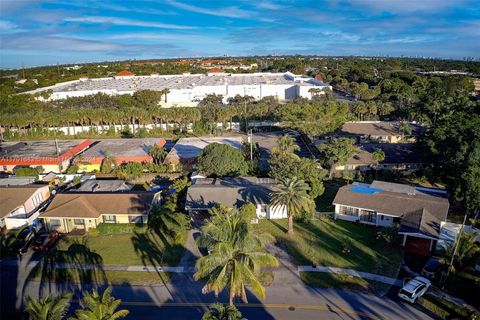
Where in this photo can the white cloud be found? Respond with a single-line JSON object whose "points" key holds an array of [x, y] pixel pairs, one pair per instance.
{"points": [[406, 6], [125, 22], [268, 5], [229, 12]]}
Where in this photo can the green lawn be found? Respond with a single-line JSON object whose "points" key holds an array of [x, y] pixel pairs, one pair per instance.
{"points": [[127, 245], [337, 244], [140, 247]]}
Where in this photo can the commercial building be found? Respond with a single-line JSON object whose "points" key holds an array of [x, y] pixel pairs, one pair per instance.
{"points": [[419, 211], [19, 205], [189, 89], [122, 150], [51, 155], [206, 193], [83, 211]]}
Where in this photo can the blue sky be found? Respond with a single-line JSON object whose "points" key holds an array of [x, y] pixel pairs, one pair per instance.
{"points": [[36, 32]]}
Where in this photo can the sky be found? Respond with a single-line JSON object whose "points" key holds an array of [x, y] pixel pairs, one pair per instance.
{"points": [[36, 32]]}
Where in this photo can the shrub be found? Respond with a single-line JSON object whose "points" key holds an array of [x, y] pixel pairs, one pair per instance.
{"points": [[73, 169], [28, 172], [389, 234], [118, 228]]}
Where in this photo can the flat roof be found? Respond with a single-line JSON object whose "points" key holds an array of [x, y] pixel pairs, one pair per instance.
{"points": [[43, 151], [175, 82], [122, 147], [187, 148]]}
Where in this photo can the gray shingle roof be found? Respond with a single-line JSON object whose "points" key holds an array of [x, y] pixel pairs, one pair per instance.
{"points": [[232, 192], [398, 200]]}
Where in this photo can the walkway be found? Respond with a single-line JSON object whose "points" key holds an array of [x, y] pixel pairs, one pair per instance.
{"points": [[351, 272]]}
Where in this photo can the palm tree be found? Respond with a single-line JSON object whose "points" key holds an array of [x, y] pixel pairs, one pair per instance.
{"points": [[218, 311], [49, 308], [157, 153], [286, 146], [378, 155], [107, 162], [236, 257], [100, 306], [292, 194], [166, 222], [466, 248]]}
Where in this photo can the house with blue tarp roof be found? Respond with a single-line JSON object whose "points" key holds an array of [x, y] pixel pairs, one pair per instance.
{"points": [[418, 211]]}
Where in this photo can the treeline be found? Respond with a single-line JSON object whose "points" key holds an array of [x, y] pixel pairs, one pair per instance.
{"points": [[23, 113]]}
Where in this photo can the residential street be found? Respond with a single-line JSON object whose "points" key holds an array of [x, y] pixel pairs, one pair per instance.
{"points": [[287, 298]]}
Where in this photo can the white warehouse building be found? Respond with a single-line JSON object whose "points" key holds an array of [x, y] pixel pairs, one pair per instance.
{"points": [[189, 89]]}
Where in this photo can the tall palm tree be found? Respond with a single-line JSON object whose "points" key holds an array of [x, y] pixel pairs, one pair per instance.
{"points": [[286, 146], [378, 155], [292, 194], [218, 311], [100, 306], [236, 257], [48, 308]]}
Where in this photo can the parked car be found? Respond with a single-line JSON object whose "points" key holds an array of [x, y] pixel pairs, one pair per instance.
{"points": [[432, 267], [45, 241], [24, 239], [414, 289]]}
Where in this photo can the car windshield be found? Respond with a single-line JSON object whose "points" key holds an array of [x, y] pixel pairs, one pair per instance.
{"points": [[406, 293]]}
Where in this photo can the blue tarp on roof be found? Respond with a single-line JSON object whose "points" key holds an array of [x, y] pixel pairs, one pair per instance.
{"points": [[364, 188]]}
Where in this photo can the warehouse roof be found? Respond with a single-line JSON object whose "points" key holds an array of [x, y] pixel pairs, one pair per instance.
{"points": [[122, 149], [40, 152], [184, 81]]}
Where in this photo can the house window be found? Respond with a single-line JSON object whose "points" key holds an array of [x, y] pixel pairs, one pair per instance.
{"points": [[78, 222], [54, 222], [135, 219], [109, 218], [348, 211]]}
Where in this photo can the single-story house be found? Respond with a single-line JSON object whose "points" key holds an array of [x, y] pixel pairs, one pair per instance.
{"points": [[19, 205], [378, 131], [123, 150], [419, 211], [185, 152], [51, 155], [206, 193], [110, 185], [85, 210], [398, 156]]}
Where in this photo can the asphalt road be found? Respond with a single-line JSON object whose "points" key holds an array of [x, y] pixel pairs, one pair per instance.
{"points": [[182, 299]]}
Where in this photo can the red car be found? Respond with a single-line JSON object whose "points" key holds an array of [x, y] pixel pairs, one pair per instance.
{"points": [[44, 241]]}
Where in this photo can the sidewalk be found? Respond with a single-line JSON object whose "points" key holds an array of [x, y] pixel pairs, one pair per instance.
{"points": [[350, 272], [32, 264]]}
